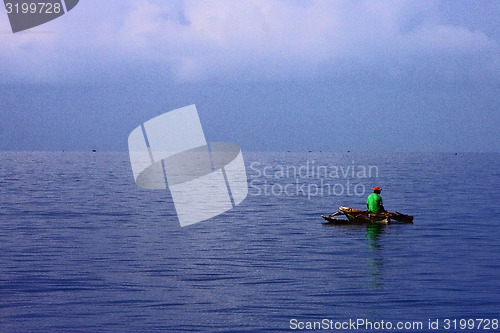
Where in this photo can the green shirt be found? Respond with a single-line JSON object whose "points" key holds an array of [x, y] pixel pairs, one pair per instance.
{"points": [[374, 202]]}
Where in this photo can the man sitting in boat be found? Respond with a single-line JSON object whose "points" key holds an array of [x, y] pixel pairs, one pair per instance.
{"points": [[374, 202]]}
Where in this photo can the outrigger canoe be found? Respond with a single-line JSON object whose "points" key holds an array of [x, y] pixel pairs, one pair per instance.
{"points": [[358, 216]]}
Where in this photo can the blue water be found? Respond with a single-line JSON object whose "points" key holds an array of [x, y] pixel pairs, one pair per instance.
{"points": [[83, 249]]}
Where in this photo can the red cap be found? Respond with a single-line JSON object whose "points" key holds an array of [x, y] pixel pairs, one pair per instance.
{"points": [[376, 188]]}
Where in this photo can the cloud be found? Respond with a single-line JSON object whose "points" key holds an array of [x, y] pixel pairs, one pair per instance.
{"points": [[246, 40]]}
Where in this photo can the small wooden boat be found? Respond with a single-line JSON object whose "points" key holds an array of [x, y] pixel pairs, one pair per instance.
{"points": [[358, 216]]}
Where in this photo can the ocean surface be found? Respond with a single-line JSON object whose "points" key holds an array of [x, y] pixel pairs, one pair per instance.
{"points": [[83, 249]]}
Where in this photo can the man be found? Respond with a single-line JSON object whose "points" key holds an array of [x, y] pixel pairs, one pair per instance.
{"points": [[374, 202]]}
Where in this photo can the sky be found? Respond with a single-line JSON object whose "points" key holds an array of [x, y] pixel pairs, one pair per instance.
{"points": [[269, 75]]}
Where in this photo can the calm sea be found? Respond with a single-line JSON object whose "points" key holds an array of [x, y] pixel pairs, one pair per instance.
{"points": [[83, 249]]}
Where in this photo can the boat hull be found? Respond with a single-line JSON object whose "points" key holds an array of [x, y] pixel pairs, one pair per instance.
{"points": [[357, 216], [361, 216]]}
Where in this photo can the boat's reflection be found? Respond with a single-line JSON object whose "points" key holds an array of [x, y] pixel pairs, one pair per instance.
{"points": [[375, 269], [373, 235]]}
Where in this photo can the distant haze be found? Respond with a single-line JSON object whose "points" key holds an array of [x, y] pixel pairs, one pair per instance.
{"points": [[270, 75]]}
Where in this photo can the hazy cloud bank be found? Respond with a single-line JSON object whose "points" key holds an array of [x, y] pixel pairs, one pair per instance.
{"points": [[256, 40]]}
